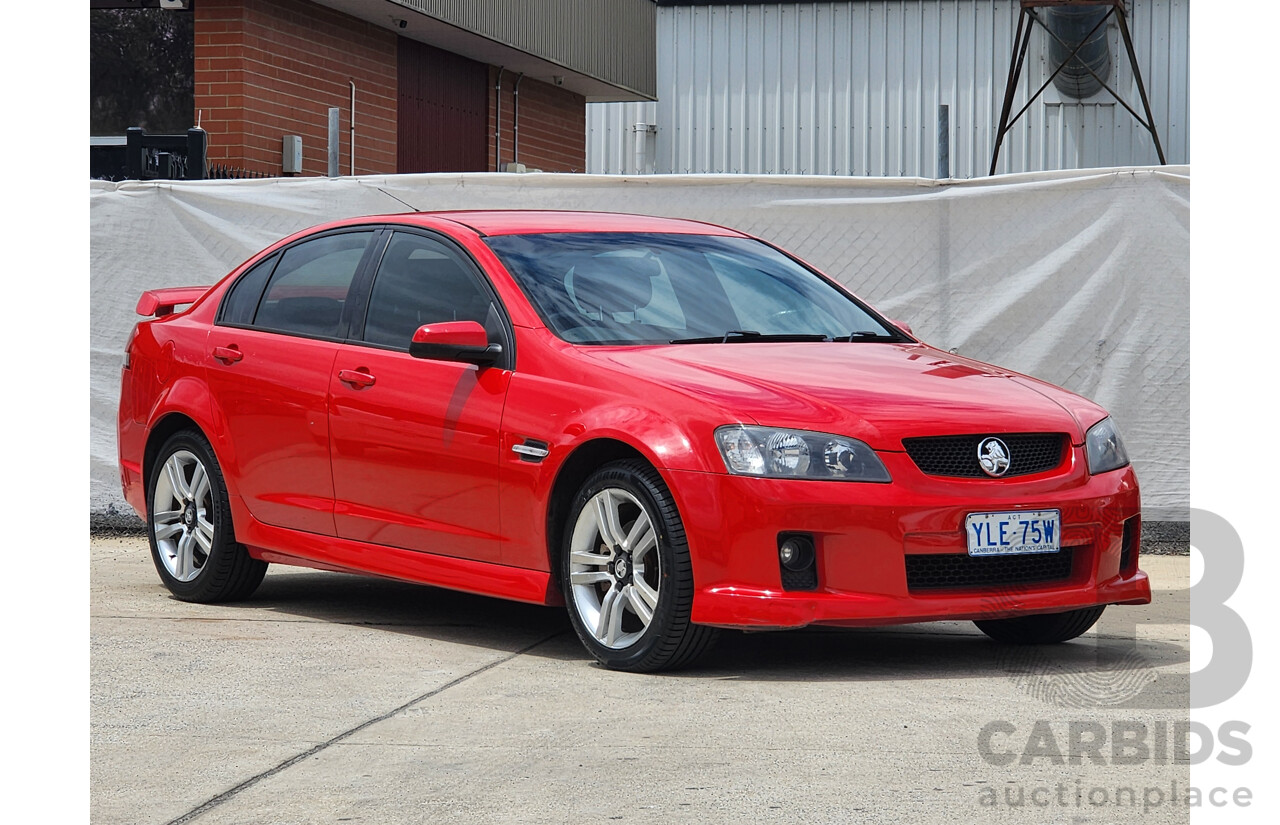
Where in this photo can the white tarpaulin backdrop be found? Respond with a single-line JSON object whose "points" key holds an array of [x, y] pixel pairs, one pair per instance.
{"points": [[1080, 278]]}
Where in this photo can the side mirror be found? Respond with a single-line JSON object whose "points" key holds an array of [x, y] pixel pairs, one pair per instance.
{"points": [[464, 341], [902, 326]]}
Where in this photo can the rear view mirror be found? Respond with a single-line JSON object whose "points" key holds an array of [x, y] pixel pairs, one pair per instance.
{"points": [[464, 341], [902, 326]]}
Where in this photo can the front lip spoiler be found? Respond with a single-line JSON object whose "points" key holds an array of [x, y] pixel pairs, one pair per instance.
{"points": [[758, 609]]}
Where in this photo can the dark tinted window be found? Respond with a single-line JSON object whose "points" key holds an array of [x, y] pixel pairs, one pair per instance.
{"points": [[422, 281], [309, 287], [639, 288], [242, 299]]}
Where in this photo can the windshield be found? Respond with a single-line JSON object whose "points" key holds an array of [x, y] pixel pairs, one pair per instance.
{"points": [[642, 288]]}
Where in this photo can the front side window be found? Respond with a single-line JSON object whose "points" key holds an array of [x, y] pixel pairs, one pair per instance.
{"points": [[640, 288], [422, 281], [309, 287]]}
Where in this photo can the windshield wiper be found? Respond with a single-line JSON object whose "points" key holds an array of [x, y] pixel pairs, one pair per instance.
{"points": [[739, 336], [864, 335]]}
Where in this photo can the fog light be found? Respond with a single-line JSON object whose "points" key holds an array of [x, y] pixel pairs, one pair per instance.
{"points": [[795, 552], [797, 561]]}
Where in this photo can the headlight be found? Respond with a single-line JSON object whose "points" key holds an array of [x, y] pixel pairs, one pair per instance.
{"points": [[772, 453], [1104, 448]]}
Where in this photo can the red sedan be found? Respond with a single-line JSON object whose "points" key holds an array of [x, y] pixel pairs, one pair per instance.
{"points": [[669, 427]]}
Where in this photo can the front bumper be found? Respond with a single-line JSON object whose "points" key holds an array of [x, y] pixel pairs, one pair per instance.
{"points": [[864, 532]]}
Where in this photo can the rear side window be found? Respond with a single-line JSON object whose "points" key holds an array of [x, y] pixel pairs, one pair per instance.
{"points": [[309, 287], [242, 299], [422, 281]]}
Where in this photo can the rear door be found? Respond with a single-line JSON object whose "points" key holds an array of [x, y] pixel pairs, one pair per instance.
{"points": [[269, 360], [414, 442]]}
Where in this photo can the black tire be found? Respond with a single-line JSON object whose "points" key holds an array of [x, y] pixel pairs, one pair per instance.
{"points": [[1042, 628], [669, 640], [225, 571]]}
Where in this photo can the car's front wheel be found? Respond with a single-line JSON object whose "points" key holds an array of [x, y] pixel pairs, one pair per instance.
{"points": [[626, 574], [189, 524], [1042, 628]]}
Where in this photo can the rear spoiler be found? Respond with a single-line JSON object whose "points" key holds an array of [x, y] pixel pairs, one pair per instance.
{"points": [[161, 302]]}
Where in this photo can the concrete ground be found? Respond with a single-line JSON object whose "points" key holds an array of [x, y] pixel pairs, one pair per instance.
{"points": [[331, 698]]}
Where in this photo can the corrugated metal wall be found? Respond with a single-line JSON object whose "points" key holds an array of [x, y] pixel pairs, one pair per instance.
{"points": [[854, 89], [607, 39]]}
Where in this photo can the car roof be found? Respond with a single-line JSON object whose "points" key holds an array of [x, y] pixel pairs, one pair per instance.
{"points": [[530, 222]]}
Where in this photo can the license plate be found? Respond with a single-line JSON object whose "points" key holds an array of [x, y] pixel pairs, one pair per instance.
{"points": [[1014, 533]]}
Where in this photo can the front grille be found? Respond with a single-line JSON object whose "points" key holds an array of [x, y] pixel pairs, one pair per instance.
{"points": [[947, 571], [957, 455]]}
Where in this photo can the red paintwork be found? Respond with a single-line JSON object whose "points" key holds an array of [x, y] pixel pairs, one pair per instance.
{"points": [[273, 405], [411, 474], [324, 553], [162, 302], [452, 333], [863, 532], [415, 457]]}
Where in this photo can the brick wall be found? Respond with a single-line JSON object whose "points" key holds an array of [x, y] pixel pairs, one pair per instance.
{"points": [[553, 125], [270, 68]]}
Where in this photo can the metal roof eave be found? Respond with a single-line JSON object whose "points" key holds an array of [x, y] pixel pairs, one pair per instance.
{"points": [[401, 18]]}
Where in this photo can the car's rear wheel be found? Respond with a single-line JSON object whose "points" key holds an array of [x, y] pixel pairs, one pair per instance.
{"points": [[626, 574], [1042, 628], [189, 523]]}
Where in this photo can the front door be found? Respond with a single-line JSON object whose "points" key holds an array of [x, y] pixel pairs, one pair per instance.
{"points": [[414, 442]]}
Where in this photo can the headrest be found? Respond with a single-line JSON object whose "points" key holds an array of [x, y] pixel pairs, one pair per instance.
{"points": [[399, 259], [614, 283]]}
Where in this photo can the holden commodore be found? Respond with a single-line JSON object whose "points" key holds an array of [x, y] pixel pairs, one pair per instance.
{"points": [[666, 426]]}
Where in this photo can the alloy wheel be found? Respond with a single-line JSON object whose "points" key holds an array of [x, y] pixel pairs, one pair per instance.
{"points": [[182, 515], [614, 568]]}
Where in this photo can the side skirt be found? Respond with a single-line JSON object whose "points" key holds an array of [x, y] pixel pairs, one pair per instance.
{"points": [[279, 545]]}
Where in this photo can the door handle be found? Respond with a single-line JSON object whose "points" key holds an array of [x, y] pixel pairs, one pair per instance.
{"points": [[228, 355], [358, 379]]}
